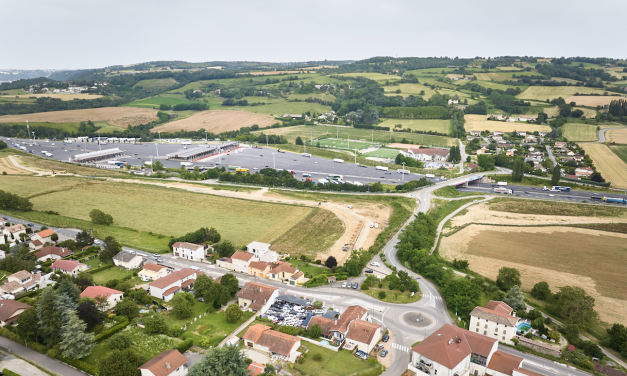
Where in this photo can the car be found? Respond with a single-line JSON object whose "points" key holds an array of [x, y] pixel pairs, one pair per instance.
{"points": [[5, 218], [374, 263], [595, 193], [30, 225], [386, 338], [355, 285], [201, 300], [344, 284], [145, 279], [370, 271], [195, 268], [384, 353], [156, 255], [349, 285], [527, 192], [159, 259]]}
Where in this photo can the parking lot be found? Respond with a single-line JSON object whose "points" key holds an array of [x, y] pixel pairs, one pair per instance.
{"points": [[291, 311]]}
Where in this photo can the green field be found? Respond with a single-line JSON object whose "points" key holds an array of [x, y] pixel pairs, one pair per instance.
{"points": [[381, 137], [283, 107], [409, 89], [158, 210], [156, 83], [312, 236], [382, 153], [441, 126], [542, 93], [151, 102], [580, 132], [380, 77], [620, 151], [343, 144]]}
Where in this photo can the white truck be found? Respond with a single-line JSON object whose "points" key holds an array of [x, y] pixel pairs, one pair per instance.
{"points": [[429, 175], [503, 190], [112, 162], [502, 184], [323, 181], [382, 168], [338, 160], [187, 164], [401, 171], [186, 142], [306, 155]]}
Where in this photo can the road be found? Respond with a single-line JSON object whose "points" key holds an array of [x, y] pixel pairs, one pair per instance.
{"points": [[602, 133], [551, 156], [538, 192]]}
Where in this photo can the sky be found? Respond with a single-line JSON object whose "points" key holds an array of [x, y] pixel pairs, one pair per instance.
{"points": [[77, 34]]}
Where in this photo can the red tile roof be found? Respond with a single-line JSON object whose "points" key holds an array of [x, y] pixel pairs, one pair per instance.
{"points": [[255, 369], [94, 291], [256, 292], [153, 267], [67, 265], [504, 363], [243, 256], [354, 312], [499, 306], [53, 250], [45, 233], [171, 290], [9, 307], [178, 275], [277, 342], [324, 323], [165, 363], [187, 283], [362, 331]]}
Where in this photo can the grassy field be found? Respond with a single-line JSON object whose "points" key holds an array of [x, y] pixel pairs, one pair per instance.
{"points": [[68, 127], [217, 121], [7, 166], [554, 111], [315, 234], [381, 137], [142, 207], [284, 107], [382, 153], [410, 89], [341, 363], [441, 126], [156, 83], [343, 144], [554, 208], [580, 132], [542, 93], [618, 136], [480, 123], [63, 97], [118, 116], [155, 102], [308, 268], [592, 100], [373, 76], [451, 192], [620, 151], [392, 296], [113, 273], [611, 167]]}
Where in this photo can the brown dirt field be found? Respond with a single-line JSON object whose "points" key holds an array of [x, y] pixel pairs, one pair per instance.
{"points": [[608, 164], [117, 116], [402, 146], [63, 97], [480, 123], [591, 100], [592, 260], [618, 136], [6, 165], [217, 121]]}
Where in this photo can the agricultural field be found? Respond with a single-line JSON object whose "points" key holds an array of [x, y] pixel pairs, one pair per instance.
{"points": [[155, 102], [480, 123], [580, 132], [7, 165], [196, 85], [302, 97], [141, 207], [542, 93], [482, 77], [592, 100], [608, 164], [488, 248], [442, 126], [269, 73], [343, 132], [495, 85], [491, 77], [281, 108], [63, 97], [620, 151], [380, 77], [156, 83], [618, 136], [409, 89], [554, 111], [117, 116], [509, 68], [217, 121]]}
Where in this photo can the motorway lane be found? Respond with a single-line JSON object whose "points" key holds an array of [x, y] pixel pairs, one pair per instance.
{"points": [[538, 192]]}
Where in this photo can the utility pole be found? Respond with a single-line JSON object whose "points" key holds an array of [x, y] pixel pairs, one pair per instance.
{"points": [[273, 162], [157, 146], [159, 138], [403, 177], [266, 140], [34, 139], [99, 148], [206, 142]]}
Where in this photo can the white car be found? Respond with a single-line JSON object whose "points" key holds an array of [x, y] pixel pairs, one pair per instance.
{"points": [[344, 284], [195, 268], [145, 279], [374, 263]]}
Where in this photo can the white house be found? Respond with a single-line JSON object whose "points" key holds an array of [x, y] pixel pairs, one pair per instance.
{"points": [[168, 363], [21, 281], [281, 345], [256, 297], [427, 154], [44, 236], [241, 261], [153, 271], [13, 232], [112, 296], [69, 267], [495, 320], [165, 287], [262, 251], [189, 251], [128, 260], [364, 334]]}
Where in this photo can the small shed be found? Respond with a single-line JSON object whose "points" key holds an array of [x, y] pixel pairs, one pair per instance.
{"points": [[571, 348], [331, 279]]}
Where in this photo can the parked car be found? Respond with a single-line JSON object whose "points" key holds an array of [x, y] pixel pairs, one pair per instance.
{"points": [[344, 284], [369, 271], [201, 300], [386, 338], [349, 285], [355, 285], [30, 225], [156, 255], [384, 353], [195, 268], [159, 259], [145, 279]]}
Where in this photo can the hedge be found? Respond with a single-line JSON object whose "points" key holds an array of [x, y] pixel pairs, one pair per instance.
{"points": [[37, 347], [79, 364], [109, 332], [8, 372], [185, 345], [96, 270], [6, 333], [606, 184]]}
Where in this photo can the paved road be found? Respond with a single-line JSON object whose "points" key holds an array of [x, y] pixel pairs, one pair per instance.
{"points": [[551, 156], [602, 133], [32, 355], [539, 192]]}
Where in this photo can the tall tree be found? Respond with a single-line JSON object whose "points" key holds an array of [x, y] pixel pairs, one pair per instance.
{"points": [[461, 295], [507, 278], [575, 305], [230, 283], [67, 287], [557, 175], [220, 361], [515, 298], [65, 306], [182, 308], [233, 313], [225, 249], [120, 363], [127, 308], [88, 312], [111, 248], [331, 262], [202, 285], [517, 171], [49, 318], [27, 330], [541, 290], [83, 239], [75, 343]]}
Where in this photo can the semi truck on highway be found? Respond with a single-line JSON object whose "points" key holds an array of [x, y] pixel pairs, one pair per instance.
{"points": [[503, 190], [556, 188], [502, 184], [382, 168], [615, 200], [187, 164], [401, 171], [338, 160], [430, 176]]}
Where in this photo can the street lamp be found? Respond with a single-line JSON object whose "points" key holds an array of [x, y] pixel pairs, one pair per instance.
{"points": [[206, 137], [99, 147], [157, 146], [34, 139], [403, 177], [159, 139], [273, 162]]}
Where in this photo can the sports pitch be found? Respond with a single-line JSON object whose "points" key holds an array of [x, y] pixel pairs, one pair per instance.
{"points": [[344, 144]]}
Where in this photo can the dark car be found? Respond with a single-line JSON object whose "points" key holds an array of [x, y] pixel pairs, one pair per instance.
{"points": [[386, 338], [201, 300], [369, 271], [384, 353], [5, 218], [355, 285], [30, 225]]}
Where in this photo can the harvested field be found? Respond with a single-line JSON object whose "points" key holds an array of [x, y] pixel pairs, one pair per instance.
{"points": [[554, 111], [118, 116], [409, 89], [618, 136], [592, 100], [482, 77], [277, 72], [441, 126], [542, 93], [562, 256], [498, 77], [554, 208], [580, 132], [480, 123], [608, 164], [63, 97], [156, 83], [217, 121], [400, 146], [7, 165], [373, 76]]}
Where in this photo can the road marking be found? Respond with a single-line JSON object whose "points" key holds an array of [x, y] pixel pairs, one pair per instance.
{"points": [[433, 297], [364, 304], [400, 347]]}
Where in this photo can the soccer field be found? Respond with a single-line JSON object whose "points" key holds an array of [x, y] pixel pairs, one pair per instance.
{"points": [[343, 144]]}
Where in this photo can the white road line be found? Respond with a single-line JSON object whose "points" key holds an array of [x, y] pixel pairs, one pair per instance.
{"points": [[400, 347]]}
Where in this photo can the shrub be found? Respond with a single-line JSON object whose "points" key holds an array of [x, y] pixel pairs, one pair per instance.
{"points": [[92, 370], [317, 304], [6, 333], [318, 262], [53, 353], [317, 357], [382, 294], [8, 372], [109, 332], [120, 341], [185, 345], [37, 347]]}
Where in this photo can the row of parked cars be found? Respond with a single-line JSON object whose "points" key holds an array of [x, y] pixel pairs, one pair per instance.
{"points": [[286, 314], [349, 285]]}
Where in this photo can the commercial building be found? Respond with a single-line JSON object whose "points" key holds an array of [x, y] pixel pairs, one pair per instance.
{"points": [[100, 155], [201, 152]]}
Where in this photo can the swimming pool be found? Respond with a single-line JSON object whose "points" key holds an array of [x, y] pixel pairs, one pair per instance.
{"points": [[523, 327]]}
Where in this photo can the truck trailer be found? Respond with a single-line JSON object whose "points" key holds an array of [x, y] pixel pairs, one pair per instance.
{"points": [[503, 190], [382, 168], [337, 160], [615, 200]]}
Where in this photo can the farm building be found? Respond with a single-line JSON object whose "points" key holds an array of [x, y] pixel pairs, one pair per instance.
{"points": [[97, 156]]}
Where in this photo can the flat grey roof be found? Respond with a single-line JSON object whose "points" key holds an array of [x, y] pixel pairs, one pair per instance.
{"points": [[190, 152], [97, 153]]}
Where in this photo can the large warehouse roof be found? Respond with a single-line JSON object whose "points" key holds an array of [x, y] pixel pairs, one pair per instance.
{"points": [[98, 153]]}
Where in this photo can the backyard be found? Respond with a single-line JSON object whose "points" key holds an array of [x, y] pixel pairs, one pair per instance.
{"points": [[341, 363]]}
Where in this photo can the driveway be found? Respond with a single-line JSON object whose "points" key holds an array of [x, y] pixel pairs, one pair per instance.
{"points": [[18, 365], [40, 359]]}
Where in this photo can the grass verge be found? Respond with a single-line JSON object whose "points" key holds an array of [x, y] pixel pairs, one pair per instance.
{"points": [[554, 208], [451, 192]]}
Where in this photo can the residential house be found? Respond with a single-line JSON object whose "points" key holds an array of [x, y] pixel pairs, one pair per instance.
{"points": [[69, 267], [279, 345], [324, 323], [543, 134], [153, 271], [560, 144], [575, 177], [259, 268], [427, 154], [35, 245], [497, 137], [498, 133], [530, 119], [472, 166], [578, 157], [168, 363], [241, 261], [262, 251], [225, 263], [190, 251], [364, 334], [128, 260], [494, 320], [297, 278], [570, 153], [256, 297], [254, 369], [337, 329], [475, 133], [530, 138], [44, 236], [112, 296], [283, 272], [165, 287], [521, 133], [53, 252], [13, 232], [20, 282], [483, 150], [510, 152], [584, 171], [531, 148], [512, 118], [10, 311], [453, 101]]}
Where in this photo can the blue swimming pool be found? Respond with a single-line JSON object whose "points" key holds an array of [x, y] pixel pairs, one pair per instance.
{"points": [[324, 342], [523, 327]]}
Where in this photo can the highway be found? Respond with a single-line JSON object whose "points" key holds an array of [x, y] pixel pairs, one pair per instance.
{"points": [[539, 192]]}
